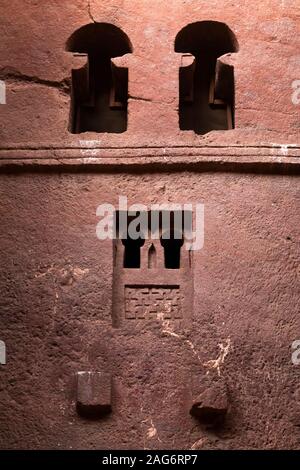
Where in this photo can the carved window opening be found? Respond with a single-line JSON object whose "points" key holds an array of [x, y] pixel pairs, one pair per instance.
{"points": [[206, 83], [152, 269], [152, 258], [132, 253], [99, 88], [165, 238], [172, 250]]}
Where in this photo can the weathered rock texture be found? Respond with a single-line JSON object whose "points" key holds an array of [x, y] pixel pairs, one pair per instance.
{"points": [[56, 277], [93, 394]]}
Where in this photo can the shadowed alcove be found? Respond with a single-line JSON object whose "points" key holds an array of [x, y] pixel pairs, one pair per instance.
{"points": [[99, 88], [172, 243], [206, 86]]}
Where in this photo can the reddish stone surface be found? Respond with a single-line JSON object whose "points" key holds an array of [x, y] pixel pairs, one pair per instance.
{"points": [[34, 61], [211, 405], [93, 394], [57, 278]]}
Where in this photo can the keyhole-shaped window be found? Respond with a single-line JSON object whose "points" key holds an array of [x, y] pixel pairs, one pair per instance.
{"points": [[172, 243], [99, 88], [152, 240], [132, 252], [206, 84]]}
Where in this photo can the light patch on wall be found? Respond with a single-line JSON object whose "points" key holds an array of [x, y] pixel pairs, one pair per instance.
{"points": [[2, 353], [296, 92], [2, 92]]}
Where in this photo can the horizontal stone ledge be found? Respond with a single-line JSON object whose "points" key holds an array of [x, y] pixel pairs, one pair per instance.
{"points": [[94, 146], [158, 152], [231, 163]]}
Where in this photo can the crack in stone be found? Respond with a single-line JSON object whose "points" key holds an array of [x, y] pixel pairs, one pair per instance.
{"points": [[139, 98], [216, 363], [90, 12], [198, 444], [10, 74], [167, 330]]}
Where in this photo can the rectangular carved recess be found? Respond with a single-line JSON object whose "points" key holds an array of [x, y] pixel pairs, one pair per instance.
{"points": [[150, 302], [152, 279]]}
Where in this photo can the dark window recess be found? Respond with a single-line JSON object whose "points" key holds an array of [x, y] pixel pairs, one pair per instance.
{"points": [[152, 263], [171, 238], [132, 252], [206, 85], [99, 89], [172, 250]]}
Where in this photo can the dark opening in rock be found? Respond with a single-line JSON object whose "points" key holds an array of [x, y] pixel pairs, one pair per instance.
{"points": [[99, 89], [206, 87]]}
